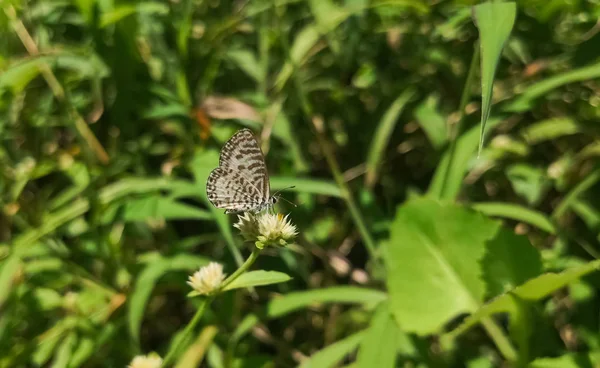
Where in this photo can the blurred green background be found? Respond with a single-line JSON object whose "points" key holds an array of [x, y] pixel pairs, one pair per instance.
{"points": [[112, 115]]}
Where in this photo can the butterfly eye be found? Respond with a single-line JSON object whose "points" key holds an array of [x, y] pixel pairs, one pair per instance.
{"points": [[274, 200]]}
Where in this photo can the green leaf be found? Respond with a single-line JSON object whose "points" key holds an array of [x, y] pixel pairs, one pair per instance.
{"points": [[258, 278], [433, 123], [534, 289], [573, 195], [246, 61], [549, 129], [445, 244], [65, 351], [509, 261], [571, 360], [521, 327], [384, 130], [339, 294], [156, 207], [147, 280], [379, 345], [84, 350], [518, 213], [452, 172], [302, 185], [526, 99], [304, 41], [528, 181], [334, 353], [18, 75], [123, 11], [8, 267], [495, 21]]}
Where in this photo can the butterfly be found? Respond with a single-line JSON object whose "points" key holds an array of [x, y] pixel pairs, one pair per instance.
{"points": [[241, 182]]}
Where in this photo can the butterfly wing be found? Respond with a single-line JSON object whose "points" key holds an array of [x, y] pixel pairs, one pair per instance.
{"points": [[241, 182], [242, 153], [228, 190]]}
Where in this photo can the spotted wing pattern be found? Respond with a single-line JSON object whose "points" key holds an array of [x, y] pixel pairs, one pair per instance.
{"points": [[241, 182]]}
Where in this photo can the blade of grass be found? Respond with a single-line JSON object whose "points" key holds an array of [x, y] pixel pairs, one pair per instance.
{"points": [[318, 129], [384, 130], [516, 212], [495, 21], [57, 89], [574, 194]]}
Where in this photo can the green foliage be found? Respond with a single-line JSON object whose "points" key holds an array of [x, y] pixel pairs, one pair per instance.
{"points": [[440, 160]]}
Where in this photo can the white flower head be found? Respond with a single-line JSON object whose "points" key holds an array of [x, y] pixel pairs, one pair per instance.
{"points": [[151, 360], [266, 229], [208, 279]]}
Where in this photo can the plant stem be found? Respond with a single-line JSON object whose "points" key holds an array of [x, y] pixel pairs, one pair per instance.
{"points": [[502, 342], [317, 123], [188, 330], [80, 124], [464, 99], [243, 268]]}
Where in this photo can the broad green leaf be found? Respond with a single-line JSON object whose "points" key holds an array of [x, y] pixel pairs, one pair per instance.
{"points": [[518, 213], [147, 280], [495, 21], [509, 261], [433, 123], [302, 185], [534, 289], [258, 278], [123, 11], [525, 100], [334, 353], [549, 129], [379, 345], [433, 258], [382, 136], [339, 294], [449, 174]]}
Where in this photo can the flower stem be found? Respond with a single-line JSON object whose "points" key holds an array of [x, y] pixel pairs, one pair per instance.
{"points": [[243, 268], [186, 333]]}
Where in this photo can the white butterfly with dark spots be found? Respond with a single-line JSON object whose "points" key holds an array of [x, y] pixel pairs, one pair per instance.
{"points": [[241, 182]]}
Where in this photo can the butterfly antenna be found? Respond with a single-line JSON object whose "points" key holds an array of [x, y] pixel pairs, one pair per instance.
{"points": [[290, 202], [280, 197], [293, 186]]}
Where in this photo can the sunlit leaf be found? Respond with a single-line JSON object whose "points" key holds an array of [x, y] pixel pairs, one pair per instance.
{"points": [[258, 278], [534, 289], [334, 353], [445, 244], [495, 21], [383, 133], [379, 345], [147, 280]]}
